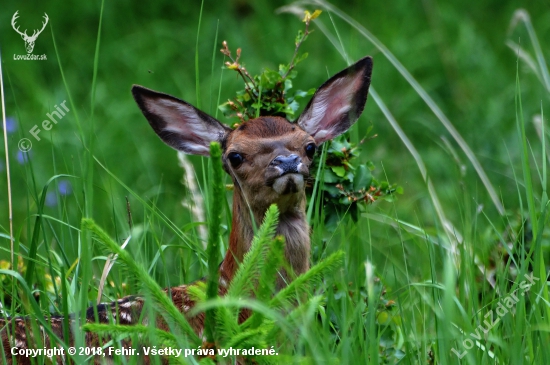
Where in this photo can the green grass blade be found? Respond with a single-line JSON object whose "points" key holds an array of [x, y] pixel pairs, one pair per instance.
{"points": [[170, 311], [521, 15], [197, 78], [217, 195], [525, 156]]}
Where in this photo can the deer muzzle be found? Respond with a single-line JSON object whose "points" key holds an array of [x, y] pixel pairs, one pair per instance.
{"points": [[287, 174]]}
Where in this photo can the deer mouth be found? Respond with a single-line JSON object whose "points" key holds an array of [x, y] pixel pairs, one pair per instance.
{"points": [[285, 174], [290, 183]]}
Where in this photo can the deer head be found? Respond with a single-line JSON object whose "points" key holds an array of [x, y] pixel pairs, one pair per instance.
{"points": [[268, 158], [29, 40]]}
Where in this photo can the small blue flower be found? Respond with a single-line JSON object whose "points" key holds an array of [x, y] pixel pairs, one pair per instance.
{"points": [[23, 157], [11, 125], [65, 187], [51, 199]]}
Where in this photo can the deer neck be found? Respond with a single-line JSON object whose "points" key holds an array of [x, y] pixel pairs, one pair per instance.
{"points": [[292, 226]]}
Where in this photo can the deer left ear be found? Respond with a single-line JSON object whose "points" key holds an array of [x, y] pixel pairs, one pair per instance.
{"points": [[338, 103], [179, 124]]}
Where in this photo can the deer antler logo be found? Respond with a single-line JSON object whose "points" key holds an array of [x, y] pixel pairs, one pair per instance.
{"points": [[29, 40]]}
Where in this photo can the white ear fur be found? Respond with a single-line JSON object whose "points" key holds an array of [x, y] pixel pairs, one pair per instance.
{"points": [[177, 123], [338, 103]]}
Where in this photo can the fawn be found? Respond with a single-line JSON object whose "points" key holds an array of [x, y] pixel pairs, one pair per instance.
{"points": [[268, 159]]}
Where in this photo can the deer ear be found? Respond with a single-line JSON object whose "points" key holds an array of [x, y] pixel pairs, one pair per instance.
{"points": [[338, 103], [179, 124]]}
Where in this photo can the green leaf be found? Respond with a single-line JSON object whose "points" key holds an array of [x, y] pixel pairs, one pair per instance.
{"points": [[291, 109], [332, 190], [225, 109], [336, 149], [288, 85], [283, 69], [369, 129], [302, 94], [300, 58], [269, 79], [370, 165], [338, 170], [344, 200], [362, 179], [299, 37], [330, 177]]}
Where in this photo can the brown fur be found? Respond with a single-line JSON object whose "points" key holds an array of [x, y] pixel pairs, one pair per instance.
{"points": [[263, 139]]}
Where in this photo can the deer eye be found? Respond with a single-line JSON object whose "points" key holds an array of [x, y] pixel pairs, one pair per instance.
{"points": [[235, 159], [310, 150]]}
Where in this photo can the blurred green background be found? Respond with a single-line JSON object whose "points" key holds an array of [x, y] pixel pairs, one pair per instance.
{"points": [[455, 50]]}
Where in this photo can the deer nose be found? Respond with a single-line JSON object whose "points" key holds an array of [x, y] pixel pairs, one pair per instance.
{"points": [[287, 164]]}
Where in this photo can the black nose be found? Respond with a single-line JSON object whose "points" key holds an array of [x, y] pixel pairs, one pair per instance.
{"points": [[287, 164]]}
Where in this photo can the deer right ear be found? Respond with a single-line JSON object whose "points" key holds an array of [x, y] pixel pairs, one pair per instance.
{"points": [[179, 124], [338, 103]]}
